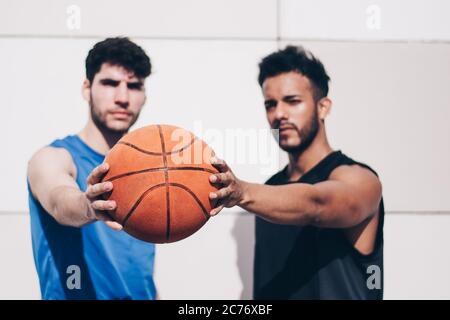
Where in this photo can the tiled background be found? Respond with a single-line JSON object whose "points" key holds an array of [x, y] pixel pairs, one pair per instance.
{"points": [[389, 63]]}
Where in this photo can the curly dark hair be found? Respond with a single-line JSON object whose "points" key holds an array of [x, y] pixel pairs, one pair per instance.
{"points": [[299, 60], [118, 51]]}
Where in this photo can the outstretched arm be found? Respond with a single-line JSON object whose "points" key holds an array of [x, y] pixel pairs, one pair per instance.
{"points": [[51, 174], [350, 196]]}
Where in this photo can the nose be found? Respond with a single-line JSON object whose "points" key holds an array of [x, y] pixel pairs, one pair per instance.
{"points": [[280, 111], [122, 97]]}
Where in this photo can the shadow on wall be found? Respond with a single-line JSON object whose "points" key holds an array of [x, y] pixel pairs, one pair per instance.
{"points": [[244, 233]]}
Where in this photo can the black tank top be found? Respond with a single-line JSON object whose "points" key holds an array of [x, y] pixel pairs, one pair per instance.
{"points": [[293, 262]]}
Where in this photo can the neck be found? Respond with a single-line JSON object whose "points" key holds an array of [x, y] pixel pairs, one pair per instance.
{"points": [[100, 140], [299, 163]]}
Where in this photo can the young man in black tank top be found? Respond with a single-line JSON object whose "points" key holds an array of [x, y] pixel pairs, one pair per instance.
{"points": [[319, 221]]}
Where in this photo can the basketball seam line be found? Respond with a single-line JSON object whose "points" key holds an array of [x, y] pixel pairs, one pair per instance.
{"points": [[166, 179], [167, 183], [172, 184], [130, 173], [136, 204], [156, 153]]}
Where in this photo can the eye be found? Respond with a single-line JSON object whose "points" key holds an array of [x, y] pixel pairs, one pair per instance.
{"points": [[294, 101], [135, 86], [270, 104], [109, 83]]}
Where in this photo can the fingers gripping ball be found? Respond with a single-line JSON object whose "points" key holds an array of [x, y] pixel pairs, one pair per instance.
{"points": [[160, 176]]}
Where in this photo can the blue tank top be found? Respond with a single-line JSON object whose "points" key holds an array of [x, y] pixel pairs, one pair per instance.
{"points": [[91, 262]]}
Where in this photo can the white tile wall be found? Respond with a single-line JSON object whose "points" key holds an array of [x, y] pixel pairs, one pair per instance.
{"points": [[391, 105], [18, 277], [416, 256], [403, 20], [250, 19]]}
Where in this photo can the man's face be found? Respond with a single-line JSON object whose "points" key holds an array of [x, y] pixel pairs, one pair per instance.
{"points": [[290, 107], [116, 97]]}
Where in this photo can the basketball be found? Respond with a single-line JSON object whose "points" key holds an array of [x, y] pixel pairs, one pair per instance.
{"points": [[160, 183]]}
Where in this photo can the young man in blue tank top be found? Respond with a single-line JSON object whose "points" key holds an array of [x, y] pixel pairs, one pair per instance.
{"points": [[319, 221], [79, 252]]}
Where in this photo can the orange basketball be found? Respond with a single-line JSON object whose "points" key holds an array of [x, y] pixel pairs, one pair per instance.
{"points": [[160, 176]]}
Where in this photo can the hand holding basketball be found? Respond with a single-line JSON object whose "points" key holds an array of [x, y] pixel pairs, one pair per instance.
{"points": [[95, 189], [232, 189], [160, 175]]}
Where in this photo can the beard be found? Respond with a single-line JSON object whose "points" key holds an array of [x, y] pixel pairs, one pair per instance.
{"points": [[307, 135], [99, 119]]}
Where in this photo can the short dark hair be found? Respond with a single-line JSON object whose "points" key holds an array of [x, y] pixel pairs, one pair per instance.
{"points": [[299, 60], [119, 51]]}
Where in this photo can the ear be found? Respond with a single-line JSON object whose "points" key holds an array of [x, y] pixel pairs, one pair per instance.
{"points": [[145, 100], [86, 90], [324, 107], [145, 96]]}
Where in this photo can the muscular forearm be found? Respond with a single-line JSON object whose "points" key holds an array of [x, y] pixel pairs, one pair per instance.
{"points": [[287, 204], [70, 207], [342, 202]]}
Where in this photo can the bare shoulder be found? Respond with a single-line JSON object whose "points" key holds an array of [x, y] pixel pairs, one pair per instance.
{"points": [[48, 168], [51, 159], [361, 184], [356, 175], [364, 187]]}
